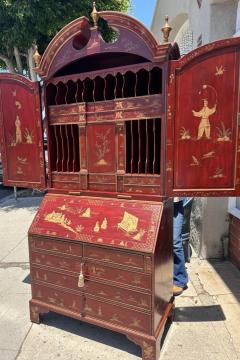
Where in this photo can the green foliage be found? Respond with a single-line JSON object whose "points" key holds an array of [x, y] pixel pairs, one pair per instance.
{"points": [[24, 21]]}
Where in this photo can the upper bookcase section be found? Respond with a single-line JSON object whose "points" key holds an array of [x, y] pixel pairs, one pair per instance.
{"points": [[77, 44]]}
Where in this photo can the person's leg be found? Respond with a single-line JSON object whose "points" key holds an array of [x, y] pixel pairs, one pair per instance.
{"points": [[180, 277], [208, 131], [201, 128]]}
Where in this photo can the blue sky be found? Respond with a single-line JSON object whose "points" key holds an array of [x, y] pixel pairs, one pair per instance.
{"points": [[143, 11]]}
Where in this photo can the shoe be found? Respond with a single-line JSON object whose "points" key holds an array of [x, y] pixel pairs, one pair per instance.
{"points": [[178, 290]]}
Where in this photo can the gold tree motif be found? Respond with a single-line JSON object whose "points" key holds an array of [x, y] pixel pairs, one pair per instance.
{"points": [[79, 228], [220, 70], [218, 174], [28, 136], [223, 133], [185, 134], [102, 147]]}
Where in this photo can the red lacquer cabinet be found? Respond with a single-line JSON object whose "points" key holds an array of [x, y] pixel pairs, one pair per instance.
{"points": [[129, 125]]}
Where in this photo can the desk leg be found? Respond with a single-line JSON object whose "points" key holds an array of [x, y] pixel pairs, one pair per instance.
{"points": [[35, 312], [151, 350]]}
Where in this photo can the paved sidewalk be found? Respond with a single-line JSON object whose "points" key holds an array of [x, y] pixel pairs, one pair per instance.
{"points": [[206, 324]]}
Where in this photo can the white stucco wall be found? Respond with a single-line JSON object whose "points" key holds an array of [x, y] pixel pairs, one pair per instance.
{"points": [[216, 19], [172, 8], [237, 33], [223, 17]]}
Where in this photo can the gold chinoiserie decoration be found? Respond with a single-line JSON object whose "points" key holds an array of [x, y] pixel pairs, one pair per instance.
{"points": [[129, 223], [139, 235], [18, 125], [104, 224], [86, 213], [166, 30], [96, 227], [94, 14], [28, 136], [60, 219]]}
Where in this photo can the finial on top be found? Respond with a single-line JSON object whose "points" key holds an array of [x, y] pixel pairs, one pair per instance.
{"points": [[94, 14], [166, 30], [36, 56]]}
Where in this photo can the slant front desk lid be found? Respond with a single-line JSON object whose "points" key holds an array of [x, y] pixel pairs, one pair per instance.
{"points": [[119, 223]]}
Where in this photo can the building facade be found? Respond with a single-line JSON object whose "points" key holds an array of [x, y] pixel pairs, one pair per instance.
{"points": [[195, 23]]}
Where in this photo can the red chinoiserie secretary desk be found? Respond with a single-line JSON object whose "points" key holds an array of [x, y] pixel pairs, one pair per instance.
{"points": [[129, 125]]}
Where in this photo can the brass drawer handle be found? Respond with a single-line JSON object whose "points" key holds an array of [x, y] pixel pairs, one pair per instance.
{"points": [[120, 196], [81, 278]]}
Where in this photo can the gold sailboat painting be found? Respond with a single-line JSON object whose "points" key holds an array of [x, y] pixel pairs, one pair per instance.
{"points": [[129, 224]]}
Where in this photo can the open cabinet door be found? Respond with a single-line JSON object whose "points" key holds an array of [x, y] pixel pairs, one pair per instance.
{"points": [[203, 141], [21, 137]]}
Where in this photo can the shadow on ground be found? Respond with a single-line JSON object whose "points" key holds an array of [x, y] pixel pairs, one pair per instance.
{"points": [[92, 332], [230, 274], [30, 203], [199, 313], [27, 280]]}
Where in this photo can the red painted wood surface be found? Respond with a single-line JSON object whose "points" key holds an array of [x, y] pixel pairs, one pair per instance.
{"points": [[103, 291], [21, 132], [202, 121], [124, 90], [118, 284], [144, 107], [104, 260], [119, 223], [101, 148]]}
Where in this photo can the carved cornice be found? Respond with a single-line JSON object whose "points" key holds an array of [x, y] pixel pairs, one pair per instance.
{"points": [[66, 33], [140, 40], [118, 19]]}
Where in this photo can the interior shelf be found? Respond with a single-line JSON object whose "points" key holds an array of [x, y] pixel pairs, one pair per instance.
{"points": [[143, 146], [64, 155], [108, 87]]}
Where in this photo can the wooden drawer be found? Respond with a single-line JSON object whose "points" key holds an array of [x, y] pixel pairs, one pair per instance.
{"points": [[54, 278], [62, 247], [93, 271], [113, 293], [124, 277], [57, 298], [117, 315], [114, 257], [117, 294], [56, 262]]}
